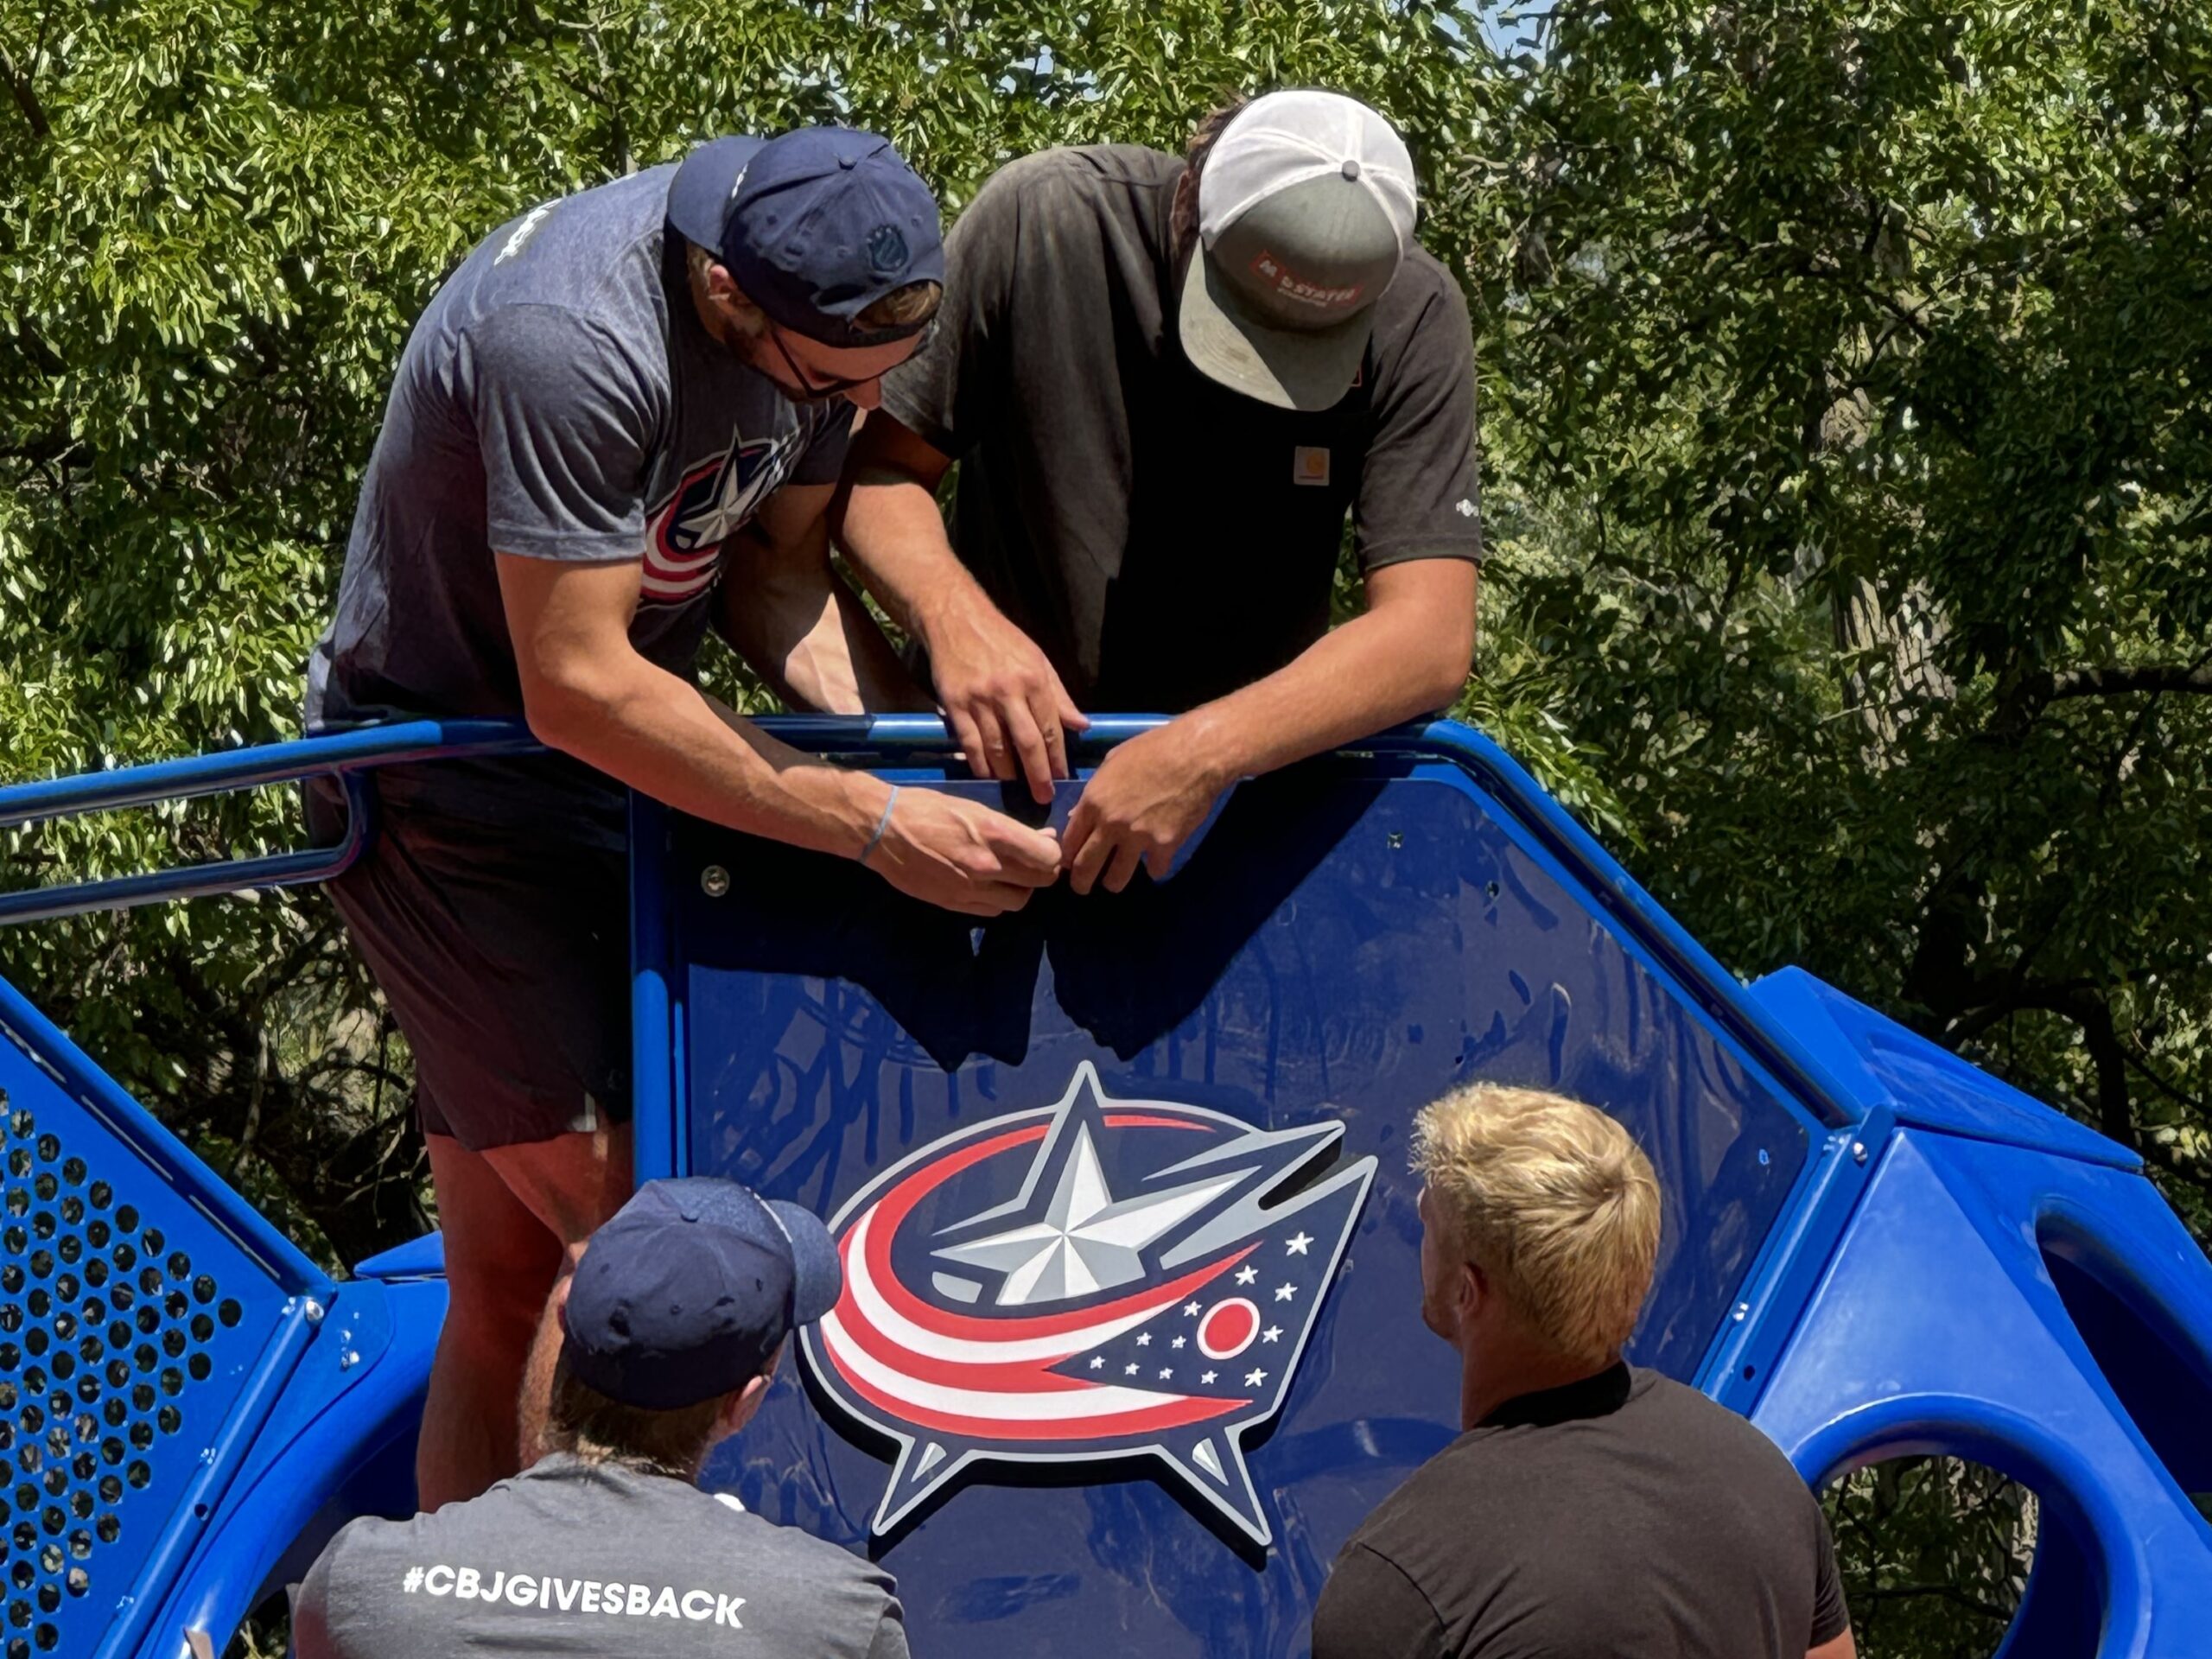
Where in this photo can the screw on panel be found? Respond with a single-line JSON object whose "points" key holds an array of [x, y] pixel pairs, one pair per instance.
{"points": [[714, 881], [1858, 1151], [348, 1360], [313, 1310], [1743, 1311], [1396, 839]]}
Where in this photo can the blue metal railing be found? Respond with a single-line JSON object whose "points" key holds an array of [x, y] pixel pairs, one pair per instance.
{"points": [[342, 755]]}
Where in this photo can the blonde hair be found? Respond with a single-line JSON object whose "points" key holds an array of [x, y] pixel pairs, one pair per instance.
{"points": [[1554, 1201]]}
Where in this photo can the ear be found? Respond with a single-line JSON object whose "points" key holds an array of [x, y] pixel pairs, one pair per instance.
{"points": [[1475, 1292], [737, 1410]]}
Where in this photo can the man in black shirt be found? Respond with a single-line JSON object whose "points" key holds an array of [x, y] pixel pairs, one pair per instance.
{"points": [[1166, 383], [1591, 1508]]}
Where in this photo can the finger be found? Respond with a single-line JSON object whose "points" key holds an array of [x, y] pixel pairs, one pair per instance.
{"points": [[965, 734], [1127, 857], [1081, 822], [1063, 705], [1029, 856], [1030, 745], [1159, 861], [1083, 870], [997, 762]]}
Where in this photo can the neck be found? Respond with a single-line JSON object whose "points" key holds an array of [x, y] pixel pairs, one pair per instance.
{"points": [[1493, 1372]]}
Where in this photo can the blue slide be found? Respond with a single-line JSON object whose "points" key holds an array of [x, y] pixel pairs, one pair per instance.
{"points": [[1164, 1429]]}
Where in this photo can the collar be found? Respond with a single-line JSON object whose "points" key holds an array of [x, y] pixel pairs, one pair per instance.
{"points": [[1593, 1397]]}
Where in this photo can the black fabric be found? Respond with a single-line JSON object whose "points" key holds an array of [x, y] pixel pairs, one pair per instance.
{"points": [[507, 966], [1164, 539], [1622, 1515]]}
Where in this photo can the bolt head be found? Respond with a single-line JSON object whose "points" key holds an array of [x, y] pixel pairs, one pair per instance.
{"points": [[714, 881], [1858, 1151]]}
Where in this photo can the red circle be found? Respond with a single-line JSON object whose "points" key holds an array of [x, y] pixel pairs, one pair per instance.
{"points": [[1228, 1328]]}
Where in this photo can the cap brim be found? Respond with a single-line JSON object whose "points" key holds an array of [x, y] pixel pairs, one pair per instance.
{"points": [[1306, 369], [816, 1279]]}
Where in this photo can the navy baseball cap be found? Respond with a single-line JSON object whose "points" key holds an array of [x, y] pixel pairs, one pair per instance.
{"points": [[815, 226], [685, 1293]]}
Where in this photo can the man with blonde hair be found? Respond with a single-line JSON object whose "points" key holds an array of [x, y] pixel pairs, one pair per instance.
{"points": [[1590, 1507]]}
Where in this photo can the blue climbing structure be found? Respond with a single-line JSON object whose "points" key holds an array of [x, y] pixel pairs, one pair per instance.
{"points": [[1130, 1340]]}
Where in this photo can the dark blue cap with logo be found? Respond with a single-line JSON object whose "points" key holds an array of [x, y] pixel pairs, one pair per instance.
{"points": [[815, 226], [686, 1292]]}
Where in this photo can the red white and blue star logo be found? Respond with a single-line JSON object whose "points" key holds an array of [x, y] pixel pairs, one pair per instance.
{"points": [[1097, 1279]]}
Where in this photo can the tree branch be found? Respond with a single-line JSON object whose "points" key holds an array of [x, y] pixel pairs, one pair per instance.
{"points": [[2118, 679]]}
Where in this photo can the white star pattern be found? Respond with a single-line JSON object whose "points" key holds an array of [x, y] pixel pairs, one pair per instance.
{"points": [[1298, 1243], [1209, 1376], [1284, 1293], [1088, 1241], [1273, 1333], [1129, 1369], [1248, 1275], [1178, 1343], [1164, 1373], [1190, 1309], [1253, 1379], [1144, 1338], [1098, 1363]]}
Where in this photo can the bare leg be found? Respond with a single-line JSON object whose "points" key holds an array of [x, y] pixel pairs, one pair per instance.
{"points": [[570, 1183], [500, 1263]]}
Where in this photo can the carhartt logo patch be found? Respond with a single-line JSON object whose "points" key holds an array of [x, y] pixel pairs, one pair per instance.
{"points": [[1309, 465]]}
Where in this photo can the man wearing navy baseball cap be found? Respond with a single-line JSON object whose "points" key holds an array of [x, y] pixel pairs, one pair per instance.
{"points": [[672, 1328], [617, 425]]}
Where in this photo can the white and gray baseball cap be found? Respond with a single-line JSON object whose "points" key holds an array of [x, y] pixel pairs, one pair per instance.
{"points": [[1306, 211]]}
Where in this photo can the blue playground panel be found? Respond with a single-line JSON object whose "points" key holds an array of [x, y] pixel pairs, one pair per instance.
{"points": [[1872, 1247]]}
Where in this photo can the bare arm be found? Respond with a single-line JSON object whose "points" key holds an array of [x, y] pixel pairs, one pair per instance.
{"points": [[588, 692], [1842, 1647], [1006, 707], [785, 610], [1408, 654]]}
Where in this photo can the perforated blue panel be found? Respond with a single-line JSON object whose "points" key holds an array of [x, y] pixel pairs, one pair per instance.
{"points": [[131, 1323]]}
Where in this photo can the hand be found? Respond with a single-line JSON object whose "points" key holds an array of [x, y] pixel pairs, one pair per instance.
{"points": [[1006, 708], [962, 855], [1141, 806]]}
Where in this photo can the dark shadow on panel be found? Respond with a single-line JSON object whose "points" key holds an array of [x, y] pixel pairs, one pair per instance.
{"points": [[1127, 967]]}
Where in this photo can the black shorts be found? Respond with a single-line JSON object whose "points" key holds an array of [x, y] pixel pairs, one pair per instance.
{"points": [[506, 960]]}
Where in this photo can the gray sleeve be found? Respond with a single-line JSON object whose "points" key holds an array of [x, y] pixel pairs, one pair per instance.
{"points": [[948, 393], [825, 448], [890, 1639], [312, 1635], [564, 423], [1419, 492]]}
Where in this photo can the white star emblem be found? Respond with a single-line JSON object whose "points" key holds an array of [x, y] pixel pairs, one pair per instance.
{"points": [[1247, 1275], [1178, 1343], [1129, 1369], [1098, 1362], [1209, 1376], [1087, 1240], [1297, 1244], [1253, 1379], [1144, 1339], [1164, 1373], [1284, 1293], [1273, 1333], [1190, 1309]]}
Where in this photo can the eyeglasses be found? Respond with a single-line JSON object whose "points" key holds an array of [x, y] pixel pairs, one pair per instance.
{"points": [[814, 392]]}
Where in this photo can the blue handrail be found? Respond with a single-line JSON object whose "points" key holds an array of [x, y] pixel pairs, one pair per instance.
{"points": [[342, 755]]}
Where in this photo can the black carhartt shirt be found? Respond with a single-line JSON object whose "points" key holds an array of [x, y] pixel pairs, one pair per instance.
{"points": [[1163, 539], [1622, 1516]]}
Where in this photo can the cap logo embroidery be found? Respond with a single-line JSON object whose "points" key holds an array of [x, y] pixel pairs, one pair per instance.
{"points": [[1290, 285], [887, 250]]}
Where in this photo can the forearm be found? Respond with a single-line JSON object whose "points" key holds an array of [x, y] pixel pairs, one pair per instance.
{"points": [[811, 638], [890, 529], [661, 736], [1374, 672]]}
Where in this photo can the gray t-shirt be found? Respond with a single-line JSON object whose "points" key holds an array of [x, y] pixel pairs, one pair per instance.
{"points": [[571, 1557], [559, 399]]}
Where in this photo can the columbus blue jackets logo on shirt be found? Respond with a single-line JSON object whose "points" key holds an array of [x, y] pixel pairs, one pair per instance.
{"points": [[683, 544], [1101, 1278]]}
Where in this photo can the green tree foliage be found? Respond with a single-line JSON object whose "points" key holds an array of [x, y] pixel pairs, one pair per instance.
{"points": [[1845, 380]]}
